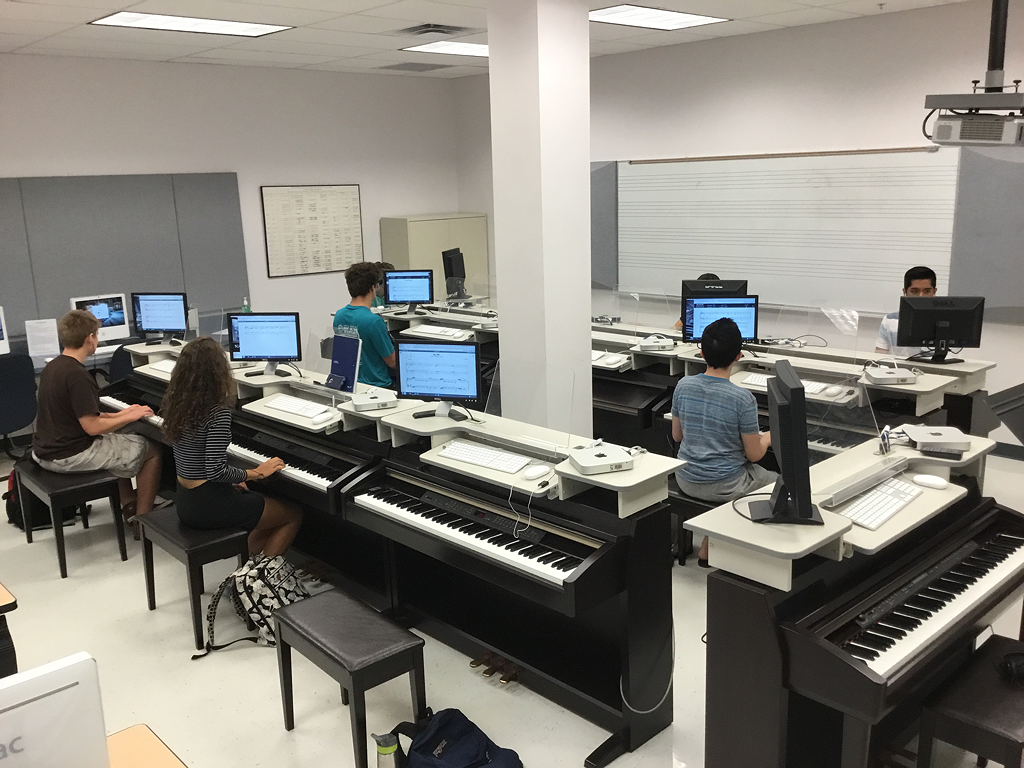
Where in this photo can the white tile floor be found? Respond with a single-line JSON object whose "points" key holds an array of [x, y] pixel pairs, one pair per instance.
{"points": [[224, 711]]}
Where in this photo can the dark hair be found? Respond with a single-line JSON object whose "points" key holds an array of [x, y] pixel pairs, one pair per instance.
{"points": [[918, 273], [75, 327], [362, 277], [709, 276], [721, 343], [200, 383], [386, 266]]}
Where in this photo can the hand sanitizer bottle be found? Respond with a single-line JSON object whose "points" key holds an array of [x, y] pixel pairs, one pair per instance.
{"points": [[246, 309]]}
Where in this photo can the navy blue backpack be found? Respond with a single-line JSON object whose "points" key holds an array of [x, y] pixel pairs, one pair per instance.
{"points": [[449, 740]]}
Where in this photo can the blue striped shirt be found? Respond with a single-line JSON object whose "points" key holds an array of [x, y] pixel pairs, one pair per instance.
{"points": [[714, 413]]}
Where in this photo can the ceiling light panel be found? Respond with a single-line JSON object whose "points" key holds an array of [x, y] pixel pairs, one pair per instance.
{"points": [[650, 18], [187, 24], [451, 47]]}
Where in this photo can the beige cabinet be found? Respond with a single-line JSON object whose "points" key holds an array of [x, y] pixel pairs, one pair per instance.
{"points": [[416, 242]]}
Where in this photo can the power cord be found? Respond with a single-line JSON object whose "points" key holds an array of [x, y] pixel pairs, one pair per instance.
{"points": [[668, 690], [741, 498]]}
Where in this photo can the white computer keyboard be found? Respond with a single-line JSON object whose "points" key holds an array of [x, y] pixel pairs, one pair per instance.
{"points": [[437, 330], [874, 507], [166, 366], [296, 406], [596, 355], [761, 380], [484, 456]]}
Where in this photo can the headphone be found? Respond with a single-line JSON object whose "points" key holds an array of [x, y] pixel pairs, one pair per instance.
{"points": [[1011, 669]]}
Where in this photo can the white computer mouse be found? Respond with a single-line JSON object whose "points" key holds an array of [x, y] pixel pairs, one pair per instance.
{"points": [[536, 471], [320, 418], [834, 391], [613, 359], [930, 481]]}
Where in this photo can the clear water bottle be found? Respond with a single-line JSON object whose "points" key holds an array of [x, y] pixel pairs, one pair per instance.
{"points": [[387, 750], [246, 309]]}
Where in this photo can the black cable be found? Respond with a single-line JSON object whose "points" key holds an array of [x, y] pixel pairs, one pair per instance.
{"points": [[812, 336], [741, 498], [469, 415], [924, 125]]}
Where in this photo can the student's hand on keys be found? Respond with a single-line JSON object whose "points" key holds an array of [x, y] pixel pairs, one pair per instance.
{"points": [[270, 466], [139, 411]]}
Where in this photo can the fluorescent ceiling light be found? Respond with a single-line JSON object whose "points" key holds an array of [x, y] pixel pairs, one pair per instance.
{"points": [[451, 47], [188, 24], [650, 18]]}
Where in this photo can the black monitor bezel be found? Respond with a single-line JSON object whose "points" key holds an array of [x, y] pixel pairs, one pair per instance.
{"points": [[431, 397], [919, 311], [448, 264], [734, 289], [135, 318], [689, 339], [231, 342], [397, 272]]}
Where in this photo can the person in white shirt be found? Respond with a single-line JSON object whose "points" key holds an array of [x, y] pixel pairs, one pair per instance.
{"points": [[918, 281]]}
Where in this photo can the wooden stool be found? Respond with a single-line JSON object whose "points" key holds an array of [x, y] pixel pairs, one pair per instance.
{"points": [[356, 646], [978, 710], [192, 547], [60, 491], [684, 508]]}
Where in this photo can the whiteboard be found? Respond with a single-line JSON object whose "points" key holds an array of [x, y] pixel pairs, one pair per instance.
{"points": [[312, 229], [807, 231]]}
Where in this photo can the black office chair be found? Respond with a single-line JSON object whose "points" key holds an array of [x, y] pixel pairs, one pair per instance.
{"points": [[18, 403], [120, 365]]}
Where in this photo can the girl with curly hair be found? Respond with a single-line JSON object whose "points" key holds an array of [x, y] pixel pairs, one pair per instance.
{"points": [[212, 494]]}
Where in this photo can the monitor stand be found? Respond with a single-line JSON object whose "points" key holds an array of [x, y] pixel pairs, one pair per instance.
{"points": [[413, 310], [939, 356], [270, 370], [780, 511], [444, 408], [165, 338]]}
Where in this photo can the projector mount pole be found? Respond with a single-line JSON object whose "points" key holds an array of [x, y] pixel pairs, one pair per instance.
{"points": [[997, 47]]}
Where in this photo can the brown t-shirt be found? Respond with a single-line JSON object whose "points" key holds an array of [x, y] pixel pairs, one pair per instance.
{"points": [[67, 392]]}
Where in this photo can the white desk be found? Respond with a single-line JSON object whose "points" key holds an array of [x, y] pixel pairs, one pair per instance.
{"points": [[144, 353], [415, 331], [344, 417]]}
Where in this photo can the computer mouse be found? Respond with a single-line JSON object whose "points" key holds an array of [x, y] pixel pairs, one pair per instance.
{"points": [[930, 481], [834, 391], [320, 418], [536, 471], [613, 359]]}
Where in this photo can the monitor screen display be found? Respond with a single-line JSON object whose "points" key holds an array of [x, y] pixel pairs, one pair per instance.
{"points": [[160, 312], [701, 312], [409, 286], [438, 371], [265, 336], [109, 310]]}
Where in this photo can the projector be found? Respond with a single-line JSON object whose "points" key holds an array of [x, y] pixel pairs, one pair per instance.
{"points": [[968, 119]]}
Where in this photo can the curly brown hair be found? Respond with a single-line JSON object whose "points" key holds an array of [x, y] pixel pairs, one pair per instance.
{"points": [[201, 382]]}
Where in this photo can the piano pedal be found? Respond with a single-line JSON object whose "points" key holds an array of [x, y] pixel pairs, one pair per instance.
{"points": [[511, 675], [498, 665], [485, 659]]}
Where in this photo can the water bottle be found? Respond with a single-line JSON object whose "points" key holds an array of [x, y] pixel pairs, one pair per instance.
{"points": [[246, 309], [387, 750]]}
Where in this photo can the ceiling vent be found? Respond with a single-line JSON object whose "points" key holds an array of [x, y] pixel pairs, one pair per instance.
{"points": [[414, 66], [444, 30]]}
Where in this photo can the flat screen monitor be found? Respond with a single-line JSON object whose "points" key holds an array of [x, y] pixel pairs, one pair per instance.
{"points": [[110, 311], [454, 273], [345, 353], [5, 342], [270, 336], [409, 286], [448, 371], [165, 313], [791, 497], [700, 312], [735, 289], [940, 322]]}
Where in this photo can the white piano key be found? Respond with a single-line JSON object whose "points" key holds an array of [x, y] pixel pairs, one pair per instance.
{"points": [[298, 475], [120, 405]]}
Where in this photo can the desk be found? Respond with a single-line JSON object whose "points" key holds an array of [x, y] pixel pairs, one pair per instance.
{"points": [[413, 331], [145, 353], [139, 747], [8, 658]]}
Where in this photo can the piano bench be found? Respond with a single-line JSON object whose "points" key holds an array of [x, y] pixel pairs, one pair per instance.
{"points": [[59, 491], [356, 646], [191, 547], [685, 508], [978, 710]]}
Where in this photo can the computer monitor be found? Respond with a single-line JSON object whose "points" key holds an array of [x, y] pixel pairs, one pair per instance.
{"points": [[940, 322], [5, 342], [109, 310], [735, 289], [409, 286], [787, 410], [699, 312], [163, 313], [448, 371], [345, 363], [270, 336], [454, 273]]}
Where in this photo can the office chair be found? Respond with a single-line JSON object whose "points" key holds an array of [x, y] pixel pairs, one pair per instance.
{"points": [[18, 403], [120, 365]]}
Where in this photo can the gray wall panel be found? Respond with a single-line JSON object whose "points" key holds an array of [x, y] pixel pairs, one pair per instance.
{"points": [[210, 233], [17, 294], [96, 234], [604, 224]]}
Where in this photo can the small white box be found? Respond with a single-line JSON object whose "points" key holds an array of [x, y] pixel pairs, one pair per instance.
{"points": [[598, 459]]}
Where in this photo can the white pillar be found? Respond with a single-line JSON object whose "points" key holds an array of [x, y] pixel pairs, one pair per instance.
{"points": [[540, 142]]}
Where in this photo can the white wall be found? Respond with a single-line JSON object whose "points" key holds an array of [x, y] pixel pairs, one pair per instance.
{"points": [[392, 135]]}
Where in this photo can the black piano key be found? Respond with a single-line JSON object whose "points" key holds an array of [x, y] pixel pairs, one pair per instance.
{"points": [[569, 564], [970, 570], [487, 533], [913, 612], [534, 551], [894, 632], [936, 594], [550, 558], [474, 528], [876, 642], [517, 545], [502, 539], [861, 652], [446, 517], [950, 585], [996, 547], [903, 622], [987, 557], [924, 603]]}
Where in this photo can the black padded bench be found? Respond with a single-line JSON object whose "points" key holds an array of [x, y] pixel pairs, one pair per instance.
{"points": [[60, 491], [356, 646], [192, 547], [685, 508]]}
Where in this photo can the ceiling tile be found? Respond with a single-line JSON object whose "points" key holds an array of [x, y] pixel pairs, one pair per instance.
{"points": [[266, 57], [50, 13], [9, 43], [805, 16], [87, 54], [330, 6], [27, 27], [128, 36], [394, 57], [295, 46], [723, 9], [429, 12], [120, 48], [356, 22], [324, 36], [108, 5], [728, 28], [609, 47], [651, 39], [226, 10], [870, 7], [600, 31]]}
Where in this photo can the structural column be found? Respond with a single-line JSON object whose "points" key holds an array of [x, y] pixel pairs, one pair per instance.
{"points": [[540, 145]]}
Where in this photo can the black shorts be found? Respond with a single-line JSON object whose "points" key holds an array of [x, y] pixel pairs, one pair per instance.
{"points": [[218, 505]]}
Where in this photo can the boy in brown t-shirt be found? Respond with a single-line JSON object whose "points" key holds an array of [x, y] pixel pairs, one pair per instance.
{"points": [[73, 435]]}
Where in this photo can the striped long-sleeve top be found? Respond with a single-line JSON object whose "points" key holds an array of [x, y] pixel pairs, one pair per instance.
{"points": [[203, 454]]}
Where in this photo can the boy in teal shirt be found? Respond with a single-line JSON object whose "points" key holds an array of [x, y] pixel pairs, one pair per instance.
{"points": [[378, 299], [378, 355]]}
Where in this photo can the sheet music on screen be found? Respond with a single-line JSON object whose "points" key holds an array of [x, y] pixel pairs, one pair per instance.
{"points": [[265, 337], [155, 312], [701, 312], [438, 370]]}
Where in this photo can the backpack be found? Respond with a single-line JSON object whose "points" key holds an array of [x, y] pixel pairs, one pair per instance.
{"points": [[256, 590], [39, 513], [450, 740]]}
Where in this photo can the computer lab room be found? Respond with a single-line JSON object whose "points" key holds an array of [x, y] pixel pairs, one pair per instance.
{"points": [[456, 383]]}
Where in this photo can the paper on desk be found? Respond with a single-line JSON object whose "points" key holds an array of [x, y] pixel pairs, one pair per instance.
{"points": [[42, 338]]}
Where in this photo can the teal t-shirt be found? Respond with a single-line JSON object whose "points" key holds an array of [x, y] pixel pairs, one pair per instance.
{"points": [[376, 343], [378, 301]]}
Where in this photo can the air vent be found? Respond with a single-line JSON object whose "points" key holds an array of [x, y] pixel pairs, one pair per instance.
{"points": [[433, 29], [982, 128], [412, 66]]}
